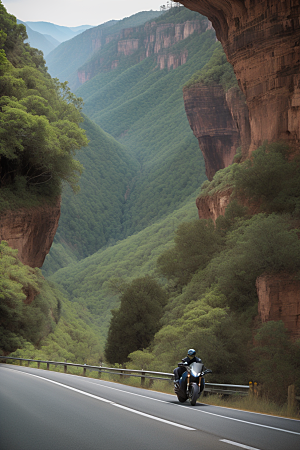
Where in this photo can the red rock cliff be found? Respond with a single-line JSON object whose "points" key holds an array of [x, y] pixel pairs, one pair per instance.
{"points": [[261, 39], [213, 206], [31, 231], [219, 121], [279, 299], [151, 39]]}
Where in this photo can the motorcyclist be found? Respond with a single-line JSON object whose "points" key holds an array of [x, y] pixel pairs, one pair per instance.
{"points": [[191, 357]]}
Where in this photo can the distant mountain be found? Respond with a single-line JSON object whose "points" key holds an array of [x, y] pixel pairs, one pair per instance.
{"points": [[82, 28], [43, 42], [64, 61], [58, 32], [51, 39], [47, 36]]}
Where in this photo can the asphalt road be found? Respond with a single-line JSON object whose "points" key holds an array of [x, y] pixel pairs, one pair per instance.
{"points": [[49, 410]]}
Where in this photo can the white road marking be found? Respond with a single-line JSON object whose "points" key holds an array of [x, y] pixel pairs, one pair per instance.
{"points": [[128, 392], [201, 411], [158, 419], [154, 417], [249, 423], [180, 406], [238, 445]]}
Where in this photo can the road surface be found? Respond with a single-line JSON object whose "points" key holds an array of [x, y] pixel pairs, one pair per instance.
{"points": [[45, 410]]}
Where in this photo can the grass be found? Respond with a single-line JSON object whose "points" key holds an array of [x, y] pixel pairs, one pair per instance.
{"points": [[247, 403], [252, 404]]}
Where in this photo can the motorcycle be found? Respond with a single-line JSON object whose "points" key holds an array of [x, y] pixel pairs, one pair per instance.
{"points": [[191, 383]]}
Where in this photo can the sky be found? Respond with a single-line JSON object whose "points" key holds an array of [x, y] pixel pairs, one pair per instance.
{"points": [[72, 13]]}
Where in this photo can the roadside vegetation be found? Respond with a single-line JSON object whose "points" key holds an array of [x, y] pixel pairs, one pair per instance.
{"points": [[212, 271]]}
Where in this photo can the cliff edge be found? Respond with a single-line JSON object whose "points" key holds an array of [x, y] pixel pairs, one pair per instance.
{"points": [[30, 231], [220, 122], [262, 42]]}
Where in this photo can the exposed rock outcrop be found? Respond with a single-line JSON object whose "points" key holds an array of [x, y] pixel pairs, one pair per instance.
{"points": [[128, 47], [30, 231], [261, 39], [220, 122], [171, 61], [279, 299], [165, 35], [83, 76], [213, 206], [143, 42]]}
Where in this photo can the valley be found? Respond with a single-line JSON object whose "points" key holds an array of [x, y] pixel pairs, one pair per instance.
{"points": [[186, 121]]}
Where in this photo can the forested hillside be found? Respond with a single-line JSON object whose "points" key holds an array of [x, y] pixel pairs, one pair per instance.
{"points": [[64, 61], [39, 132], [93, 218], [94, 282], [142, 107]]}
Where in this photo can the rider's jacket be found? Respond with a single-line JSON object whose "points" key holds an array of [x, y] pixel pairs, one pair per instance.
{"points": [[190, 361]]}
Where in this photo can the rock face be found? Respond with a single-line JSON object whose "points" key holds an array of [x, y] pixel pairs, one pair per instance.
{"points": [[261, 39], [128, 47], [220, 122], [31, 231], [143, 42], [213, 206], [160, 37], [279, 299], [171, 61]]}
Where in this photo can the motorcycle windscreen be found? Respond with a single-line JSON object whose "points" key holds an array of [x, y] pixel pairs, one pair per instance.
{"points": [[196, 369]]}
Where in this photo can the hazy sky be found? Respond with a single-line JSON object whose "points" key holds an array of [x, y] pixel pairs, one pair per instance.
{"points": [[72, 13]]}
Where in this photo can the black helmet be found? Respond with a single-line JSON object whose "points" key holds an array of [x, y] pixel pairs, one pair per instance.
{"points": [[191, 353]]}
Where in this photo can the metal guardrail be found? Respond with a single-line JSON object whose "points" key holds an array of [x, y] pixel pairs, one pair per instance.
{"points": [[226, 389]]}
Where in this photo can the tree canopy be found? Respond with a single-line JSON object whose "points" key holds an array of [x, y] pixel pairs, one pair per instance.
{"points": [[135, 323], [39, 121]]}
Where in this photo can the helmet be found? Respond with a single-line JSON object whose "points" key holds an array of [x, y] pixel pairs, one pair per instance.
{"points": [[191, 353]]}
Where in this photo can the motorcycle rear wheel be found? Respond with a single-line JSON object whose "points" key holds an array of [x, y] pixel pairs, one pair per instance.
{"points": [[194, 391]]}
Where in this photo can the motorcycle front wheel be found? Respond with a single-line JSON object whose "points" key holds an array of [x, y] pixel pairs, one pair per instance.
{"points": [[193, 395]]}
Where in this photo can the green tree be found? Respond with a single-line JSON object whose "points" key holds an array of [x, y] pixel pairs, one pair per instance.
{"points": [[270, 179], [276, 360], [39, 121], [135, 323], [195, 244], [20, 321]]}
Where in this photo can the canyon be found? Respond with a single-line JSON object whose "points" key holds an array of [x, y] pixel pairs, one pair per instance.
{"points": [[262, 41]]}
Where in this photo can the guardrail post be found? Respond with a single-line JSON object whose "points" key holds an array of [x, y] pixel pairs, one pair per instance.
{"points": [[255, 389], [99, 372], [65, 368], [39, 363], [48, 366], [143, 379], [291, 397], [251, 388], [121, 375], [21, 362], [84, 372]]}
